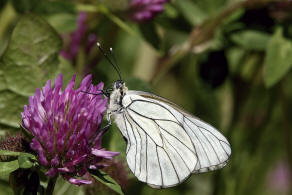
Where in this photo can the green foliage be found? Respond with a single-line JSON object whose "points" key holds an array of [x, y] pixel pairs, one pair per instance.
{"points": [[278, 59], [24, 161], [32, 54], [24, 6], [107, 180], [150, 34], [191, 11], [250, 39], [251, 105], [8, 167]]}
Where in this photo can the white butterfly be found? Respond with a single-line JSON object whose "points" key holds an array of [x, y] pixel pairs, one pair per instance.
{"points": [[165, 144]]}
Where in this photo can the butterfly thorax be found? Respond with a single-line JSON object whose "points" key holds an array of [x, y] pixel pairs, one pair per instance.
{"points": [[116, 97]]}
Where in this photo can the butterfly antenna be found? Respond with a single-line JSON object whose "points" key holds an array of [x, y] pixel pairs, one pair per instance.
{"points": [[109, 60], [114, 58]]}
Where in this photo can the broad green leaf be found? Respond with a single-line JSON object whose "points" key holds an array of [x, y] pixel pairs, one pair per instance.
{"points": [[194, 14], [8, 167], [278, 58], [251, 39], [12, 153], [11, 105], [2, 79], [63, 187], [25, 162], [150, 34], [32, 55], [63, 22], [107, 180], [211, 6], [31, 58]]}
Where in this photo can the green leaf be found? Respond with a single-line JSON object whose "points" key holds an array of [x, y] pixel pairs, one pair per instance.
{"points": [[63, 187], [194, 14], [31, 58], [107, 180], [150, 34], [32, 55], [12, 153], [25, 162], [278, 59], [8, 167], [251, 39], [11, 105], [2, 79], [63, 22]]}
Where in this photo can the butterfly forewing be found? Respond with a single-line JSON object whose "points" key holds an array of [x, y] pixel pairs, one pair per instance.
{"points": [[165, 143]]}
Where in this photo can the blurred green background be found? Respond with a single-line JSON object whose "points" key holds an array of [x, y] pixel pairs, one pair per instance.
{"points": [[227, 62]]}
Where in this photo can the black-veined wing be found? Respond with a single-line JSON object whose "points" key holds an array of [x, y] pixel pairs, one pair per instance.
{"points": [[165, 143]]}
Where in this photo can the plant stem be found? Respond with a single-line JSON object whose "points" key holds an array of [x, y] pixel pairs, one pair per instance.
{"points": [[102, 9], [51, 186], [201, 35]]}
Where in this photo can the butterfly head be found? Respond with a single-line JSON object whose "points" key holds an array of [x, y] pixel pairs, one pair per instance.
{"points": [[120, 87], [119, 90]]}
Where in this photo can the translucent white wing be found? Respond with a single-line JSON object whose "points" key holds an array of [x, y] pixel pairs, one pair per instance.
{"points": [[165, 143]]}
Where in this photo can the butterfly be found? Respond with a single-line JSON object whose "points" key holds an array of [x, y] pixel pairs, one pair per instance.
{"points": [[165, 144]]}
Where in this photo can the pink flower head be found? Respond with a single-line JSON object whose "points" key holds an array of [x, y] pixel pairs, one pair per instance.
{"points": [[77, 37], [145, 10], [66, 128]]}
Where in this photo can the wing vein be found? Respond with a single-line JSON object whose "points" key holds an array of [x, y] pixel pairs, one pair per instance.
{"points": [[161, 174], [135, 141], [175, 138], [146, 160], [138, 125], [196, 153], [199, 141], [211, 133], [210, 144], [172, 164], [127, 134], [223, 148], [179, 155], [140, 149], [156, 104]]}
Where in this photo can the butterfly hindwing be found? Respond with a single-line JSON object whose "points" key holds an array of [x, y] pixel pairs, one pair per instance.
{"points": [[165, 143]]}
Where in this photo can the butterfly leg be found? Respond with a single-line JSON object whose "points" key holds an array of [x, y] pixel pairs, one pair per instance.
{"points": [[107, 126], [108, 117]]}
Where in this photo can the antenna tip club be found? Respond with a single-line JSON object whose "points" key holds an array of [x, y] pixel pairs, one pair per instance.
{"points": [[98, 44]]}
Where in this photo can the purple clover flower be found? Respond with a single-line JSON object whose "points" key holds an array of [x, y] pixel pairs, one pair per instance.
{"points": [[76, 37], [279, 178], [65, 125], [145, 10]]}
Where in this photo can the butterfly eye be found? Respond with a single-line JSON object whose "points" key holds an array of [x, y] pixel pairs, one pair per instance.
{"points": [[119, 84]]}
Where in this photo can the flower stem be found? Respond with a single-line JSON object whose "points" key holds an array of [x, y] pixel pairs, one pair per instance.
{"points": [[99, 8], [51, 186]]}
